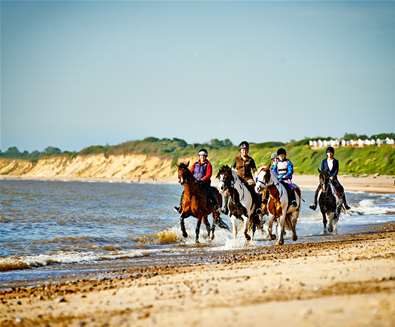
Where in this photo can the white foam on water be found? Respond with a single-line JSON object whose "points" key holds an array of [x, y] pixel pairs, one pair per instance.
{"points": [[74, 257]]}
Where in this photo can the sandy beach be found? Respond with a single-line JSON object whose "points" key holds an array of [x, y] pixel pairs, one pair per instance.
{"points": [[348, 280]]}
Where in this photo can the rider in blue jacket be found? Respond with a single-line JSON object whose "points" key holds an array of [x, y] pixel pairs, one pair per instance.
{"points": [[283, 169]]}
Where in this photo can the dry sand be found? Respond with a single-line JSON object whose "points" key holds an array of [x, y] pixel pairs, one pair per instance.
{"points": [[349, 281]]}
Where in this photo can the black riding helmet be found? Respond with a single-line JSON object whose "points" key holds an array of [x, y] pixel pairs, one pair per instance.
{"points": [[244, 145], [281, 151], [330, 149]]}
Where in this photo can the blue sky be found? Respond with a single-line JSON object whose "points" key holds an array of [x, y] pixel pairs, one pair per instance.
{"points": [[80, 73]]}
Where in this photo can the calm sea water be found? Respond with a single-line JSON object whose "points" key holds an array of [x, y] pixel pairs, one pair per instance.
{"points": [[47, 225]]}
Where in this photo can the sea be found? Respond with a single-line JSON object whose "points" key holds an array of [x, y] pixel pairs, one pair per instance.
{"points": [[50, 229]]}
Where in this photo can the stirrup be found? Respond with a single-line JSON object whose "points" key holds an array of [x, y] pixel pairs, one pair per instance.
{"points": [[177, 209]]}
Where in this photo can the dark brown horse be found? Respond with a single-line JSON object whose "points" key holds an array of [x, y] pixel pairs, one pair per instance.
{"points": [[195, 203]]}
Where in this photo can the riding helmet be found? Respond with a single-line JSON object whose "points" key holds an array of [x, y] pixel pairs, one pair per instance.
{"points": [[244, 145], [203, 152], [281, 151], [330, 149], [273, 156]]}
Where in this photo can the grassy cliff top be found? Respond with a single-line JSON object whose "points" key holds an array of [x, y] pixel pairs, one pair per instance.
{"points": [[356, 161]]}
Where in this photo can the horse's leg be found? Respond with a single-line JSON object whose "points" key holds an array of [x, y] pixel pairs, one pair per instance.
{"points": [[282, 229], [330, 221], [197, 230], [246, 221], [292, 221], [206, 222], [270, 228], [183, 230], [324, 221], [234, 226]]}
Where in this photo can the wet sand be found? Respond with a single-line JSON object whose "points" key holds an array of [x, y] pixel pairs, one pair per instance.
{"points": [[346, 281]]}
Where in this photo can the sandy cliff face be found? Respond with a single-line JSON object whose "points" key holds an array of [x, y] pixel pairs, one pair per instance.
{"points": [[134, 167]]}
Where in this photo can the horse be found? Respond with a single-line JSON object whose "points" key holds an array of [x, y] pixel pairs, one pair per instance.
{"points": [[286, 214], [195, 203], [329, 201], [241, 204]]}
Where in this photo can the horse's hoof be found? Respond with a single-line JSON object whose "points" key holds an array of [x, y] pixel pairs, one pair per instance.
{"points": [[185, 234], [330, 229], [280, 242], [272, 237], [197, 242], [294, 238], [248, 237]]}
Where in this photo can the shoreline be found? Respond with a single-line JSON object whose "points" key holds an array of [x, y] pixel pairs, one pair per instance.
{"points": [[371, 183], [349, 280]]}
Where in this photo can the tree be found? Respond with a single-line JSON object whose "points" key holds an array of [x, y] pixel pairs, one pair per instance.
{"points": [[12, 151], [52, 150]]}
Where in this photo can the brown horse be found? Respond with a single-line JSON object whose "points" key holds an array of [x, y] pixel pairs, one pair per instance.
{"points": [[195, 203]]}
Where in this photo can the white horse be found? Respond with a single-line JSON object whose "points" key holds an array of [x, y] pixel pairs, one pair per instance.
{"points": [[289, 214], [234, 188]]}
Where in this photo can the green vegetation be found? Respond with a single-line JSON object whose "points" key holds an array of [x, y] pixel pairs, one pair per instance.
{"points": [[356, 161]]}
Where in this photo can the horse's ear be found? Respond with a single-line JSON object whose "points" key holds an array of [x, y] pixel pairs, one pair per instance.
{"points": [[319, 170], [187, 164]]}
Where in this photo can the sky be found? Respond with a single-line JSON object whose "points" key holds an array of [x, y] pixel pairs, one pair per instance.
{"points": [[76, 73]]}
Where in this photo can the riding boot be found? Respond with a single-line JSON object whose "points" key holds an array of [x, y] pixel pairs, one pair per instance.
{"points": [[346, 206], [314, 205], [292, 198]]}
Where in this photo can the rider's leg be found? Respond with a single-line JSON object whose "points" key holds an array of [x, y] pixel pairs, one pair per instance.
{"points": [[212, 197], [291, 194], [314, 205], [340, 189], [292, 198], [256, 198]]}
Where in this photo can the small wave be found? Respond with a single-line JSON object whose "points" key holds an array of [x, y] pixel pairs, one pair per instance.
{"points": [[10, 264], [369, 207], [163, 237], [18, 263]]}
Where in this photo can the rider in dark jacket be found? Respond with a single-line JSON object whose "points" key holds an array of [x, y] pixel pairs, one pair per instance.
{"points": [[331, 165], [246, 167]]}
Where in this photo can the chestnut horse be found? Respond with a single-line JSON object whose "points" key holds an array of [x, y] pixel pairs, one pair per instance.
{"points": [[195, 203]]}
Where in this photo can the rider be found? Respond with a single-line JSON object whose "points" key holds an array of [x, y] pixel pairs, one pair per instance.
{"points": [[283, 169], [331, 165], [202, 171], [245, 167]]}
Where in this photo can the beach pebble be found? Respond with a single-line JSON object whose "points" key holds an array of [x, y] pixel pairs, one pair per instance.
{"points": [[61, 299], [18, 320]]}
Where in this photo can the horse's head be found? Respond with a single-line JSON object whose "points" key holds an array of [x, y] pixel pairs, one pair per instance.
{"points": [[226, 179], [184, 175], [263, 178], [324, 179]]}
